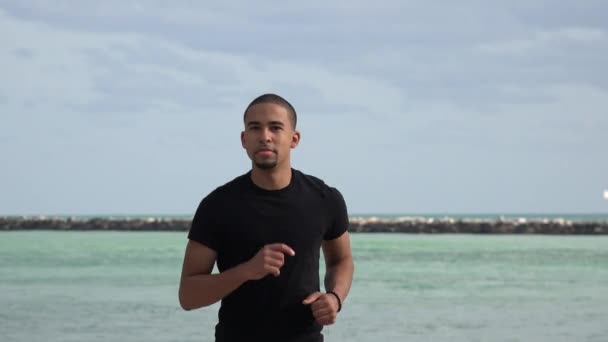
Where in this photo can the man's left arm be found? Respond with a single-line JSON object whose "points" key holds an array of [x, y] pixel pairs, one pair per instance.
{"points": [[339, 271], [339, 266]]}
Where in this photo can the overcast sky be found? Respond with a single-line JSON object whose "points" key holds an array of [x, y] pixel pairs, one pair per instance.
{"points": [[135, 107]]}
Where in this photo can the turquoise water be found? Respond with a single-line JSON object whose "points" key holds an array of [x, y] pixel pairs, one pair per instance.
{"points": [[122, 286]]}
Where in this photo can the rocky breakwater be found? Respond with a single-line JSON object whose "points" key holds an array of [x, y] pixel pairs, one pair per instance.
{"points": [[85, 224], [414, 225], [448, 225]]}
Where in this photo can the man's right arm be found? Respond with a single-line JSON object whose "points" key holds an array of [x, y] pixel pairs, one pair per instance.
{"points": [[199, 288]]}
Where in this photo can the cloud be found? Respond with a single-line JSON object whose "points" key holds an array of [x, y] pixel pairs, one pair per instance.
{"points": [[540, 41], [401, 94], [128, 73]]}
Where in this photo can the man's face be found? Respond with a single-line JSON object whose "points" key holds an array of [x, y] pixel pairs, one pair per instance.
{"points": [[269, 135]]}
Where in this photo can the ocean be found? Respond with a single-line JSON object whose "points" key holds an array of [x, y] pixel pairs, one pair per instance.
{"points": [[122, 286]]}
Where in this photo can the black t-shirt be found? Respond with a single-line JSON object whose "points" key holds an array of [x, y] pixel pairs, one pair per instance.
{"points": [[237, 219]]}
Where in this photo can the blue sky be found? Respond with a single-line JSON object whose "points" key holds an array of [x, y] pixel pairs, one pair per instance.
{"points": [[405, 106]]}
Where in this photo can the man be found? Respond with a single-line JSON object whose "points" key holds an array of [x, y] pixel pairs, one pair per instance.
{"points": [[265, 230]]}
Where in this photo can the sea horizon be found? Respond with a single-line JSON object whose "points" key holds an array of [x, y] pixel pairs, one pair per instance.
{"points": [[573, 216]]}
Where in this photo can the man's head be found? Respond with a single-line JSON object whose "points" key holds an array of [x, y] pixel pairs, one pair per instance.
{"points": [[278, 100], [270, 132]]}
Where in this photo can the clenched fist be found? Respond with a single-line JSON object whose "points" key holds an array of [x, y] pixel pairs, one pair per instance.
{"points": [[324, 307], [268, 260]]}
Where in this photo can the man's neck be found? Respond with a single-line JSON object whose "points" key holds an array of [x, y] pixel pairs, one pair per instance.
{"points": [[272, 179]]}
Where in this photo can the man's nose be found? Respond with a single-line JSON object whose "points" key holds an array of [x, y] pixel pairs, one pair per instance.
{"points": [[266, 135]]}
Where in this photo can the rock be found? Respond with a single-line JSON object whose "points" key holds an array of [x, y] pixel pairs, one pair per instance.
{"points": [[414, 225]]}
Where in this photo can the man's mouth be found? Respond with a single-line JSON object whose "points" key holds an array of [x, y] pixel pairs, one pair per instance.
{"points": [[265, 151]]}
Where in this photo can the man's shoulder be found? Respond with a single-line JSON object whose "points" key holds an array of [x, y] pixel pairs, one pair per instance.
{"points": [[231, 187], [316, 183]]}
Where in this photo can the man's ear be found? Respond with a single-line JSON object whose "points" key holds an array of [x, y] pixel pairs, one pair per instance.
{"points": [[243, 139], [295, 139]]}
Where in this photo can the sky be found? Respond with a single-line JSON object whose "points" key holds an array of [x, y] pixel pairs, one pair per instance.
{"points": [[113, 107]]}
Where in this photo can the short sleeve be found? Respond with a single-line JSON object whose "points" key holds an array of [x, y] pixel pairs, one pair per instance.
{"points": [[339, 214], [205, 224]]}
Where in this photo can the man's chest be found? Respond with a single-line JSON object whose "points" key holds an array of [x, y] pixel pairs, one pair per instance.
{"points": [[254, 221]]}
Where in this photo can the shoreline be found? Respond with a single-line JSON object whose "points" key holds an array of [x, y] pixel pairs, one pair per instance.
{"points": [[408, 224]]}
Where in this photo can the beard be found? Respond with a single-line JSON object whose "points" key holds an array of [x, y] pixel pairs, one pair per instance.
{"points": [[266, 164]]}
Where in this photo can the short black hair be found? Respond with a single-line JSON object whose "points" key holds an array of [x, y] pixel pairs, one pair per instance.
{"points": [[278, 100]]}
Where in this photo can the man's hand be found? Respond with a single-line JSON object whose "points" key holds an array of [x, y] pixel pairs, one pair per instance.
{"points": [[324, 307], [268, 260]]}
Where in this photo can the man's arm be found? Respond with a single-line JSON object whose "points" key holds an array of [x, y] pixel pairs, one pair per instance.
{"points": [[339, 269], [339, 265], [199, 288]]}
